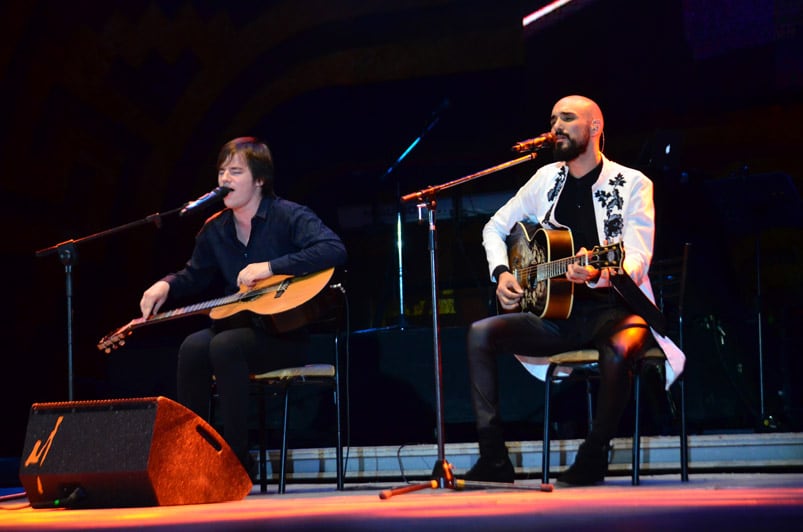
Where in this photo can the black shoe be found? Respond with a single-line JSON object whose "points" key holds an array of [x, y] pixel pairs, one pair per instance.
{"points": [[589, 468], [491, 470]]}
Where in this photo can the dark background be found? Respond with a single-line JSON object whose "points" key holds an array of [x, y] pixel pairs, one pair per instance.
{"points": [[114, 111]]}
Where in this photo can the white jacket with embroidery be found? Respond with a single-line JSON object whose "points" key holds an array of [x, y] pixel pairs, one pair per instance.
{"points": [[624, 209]]}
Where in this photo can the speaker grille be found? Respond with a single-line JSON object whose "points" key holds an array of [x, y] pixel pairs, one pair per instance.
{"points": [[127, 452]]}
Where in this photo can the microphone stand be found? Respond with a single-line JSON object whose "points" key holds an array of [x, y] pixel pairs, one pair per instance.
{"points": [[442, 475], [67, 252]]}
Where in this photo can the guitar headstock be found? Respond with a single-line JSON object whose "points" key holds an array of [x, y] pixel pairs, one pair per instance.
{"points": [[115, 339], [610, 256]]}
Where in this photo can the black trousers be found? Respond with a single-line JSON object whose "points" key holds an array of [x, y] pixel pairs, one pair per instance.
{"points": [[232, 355], [592, 324]]}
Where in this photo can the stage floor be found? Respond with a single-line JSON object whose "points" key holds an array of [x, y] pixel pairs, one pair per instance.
{"points": [[766, 501]]}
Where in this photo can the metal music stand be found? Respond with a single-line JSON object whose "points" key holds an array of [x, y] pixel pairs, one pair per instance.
{"points": [[753, 204], [442, 475]]}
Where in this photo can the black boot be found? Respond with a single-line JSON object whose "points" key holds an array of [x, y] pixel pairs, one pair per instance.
{"points": [[492, 470], [494, 464], [590, 465]]}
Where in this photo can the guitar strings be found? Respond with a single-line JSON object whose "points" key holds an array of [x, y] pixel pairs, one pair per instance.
{"points": [[555, 268], [553, 265]]}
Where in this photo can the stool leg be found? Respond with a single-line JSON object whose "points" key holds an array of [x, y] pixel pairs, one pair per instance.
{"points": [[684, 441], [339, 442], [589, 406], [545, 449], [283, 471], [636, 429], [263, 443]]}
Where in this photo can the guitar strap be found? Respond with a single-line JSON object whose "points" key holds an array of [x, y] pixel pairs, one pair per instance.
{"points": [[639, 303]]}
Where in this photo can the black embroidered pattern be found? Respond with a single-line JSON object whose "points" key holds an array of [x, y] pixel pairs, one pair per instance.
{"points": [[613, 202], [560, 179]]}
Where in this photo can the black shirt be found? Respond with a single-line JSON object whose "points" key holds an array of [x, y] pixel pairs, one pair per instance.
{"points": [[575, 210], [287, 234]]}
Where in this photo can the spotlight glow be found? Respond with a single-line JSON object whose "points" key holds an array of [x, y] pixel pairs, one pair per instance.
{"points": [[544, 11]]}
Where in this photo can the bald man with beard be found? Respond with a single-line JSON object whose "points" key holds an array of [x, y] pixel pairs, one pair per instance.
{"points": [[600, 202]]}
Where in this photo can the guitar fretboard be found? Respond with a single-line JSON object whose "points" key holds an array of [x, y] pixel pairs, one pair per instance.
{"points": [[551, 269]]}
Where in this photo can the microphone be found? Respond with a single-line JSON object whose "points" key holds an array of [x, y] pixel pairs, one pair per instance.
{"points": [[219, 192], [534, 143]]}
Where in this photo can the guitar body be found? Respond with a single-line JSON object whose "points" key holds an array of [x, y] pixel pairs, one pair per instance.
{"points": [[532, 252], [283, 302], [530, 245]]}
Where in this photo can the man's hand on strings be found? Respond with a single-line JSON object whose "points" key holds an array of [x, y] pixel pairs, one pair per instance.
{"points": [[256, 271], [578, 273], [508, 291]]}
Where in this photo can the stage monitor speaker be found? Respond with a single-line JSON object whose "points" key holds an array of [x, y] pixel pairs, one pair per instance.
{"points": [[126, 452]]}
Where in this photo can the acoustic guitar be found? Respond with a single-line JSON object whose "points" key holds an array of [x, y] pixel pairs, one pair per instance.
{"points": [[531, 254], [284, 301]]}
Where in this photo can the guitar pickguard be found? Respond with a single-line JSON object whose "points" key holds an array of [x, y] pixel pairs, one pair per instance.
{"points": [[525, 250]]}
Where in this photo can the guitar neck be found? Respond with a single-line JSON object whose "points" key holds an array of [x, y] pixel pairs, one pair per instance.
{"points": [[290, 306], [203, 307], [548, 270]]}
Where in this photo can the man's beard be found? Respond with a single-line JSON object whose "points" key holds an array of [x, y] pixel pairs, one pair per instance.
{"points": [[569, 152]]}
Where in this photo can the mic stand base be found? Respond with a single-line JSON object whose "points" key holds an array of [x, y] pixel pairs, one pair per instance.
{"points": [[442, 478]]}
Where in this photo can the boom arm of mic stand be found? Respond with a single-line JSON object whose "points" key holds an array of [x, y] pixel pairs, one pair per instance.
{"points": [[68, 254], [432, 190], [155, 219]]}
